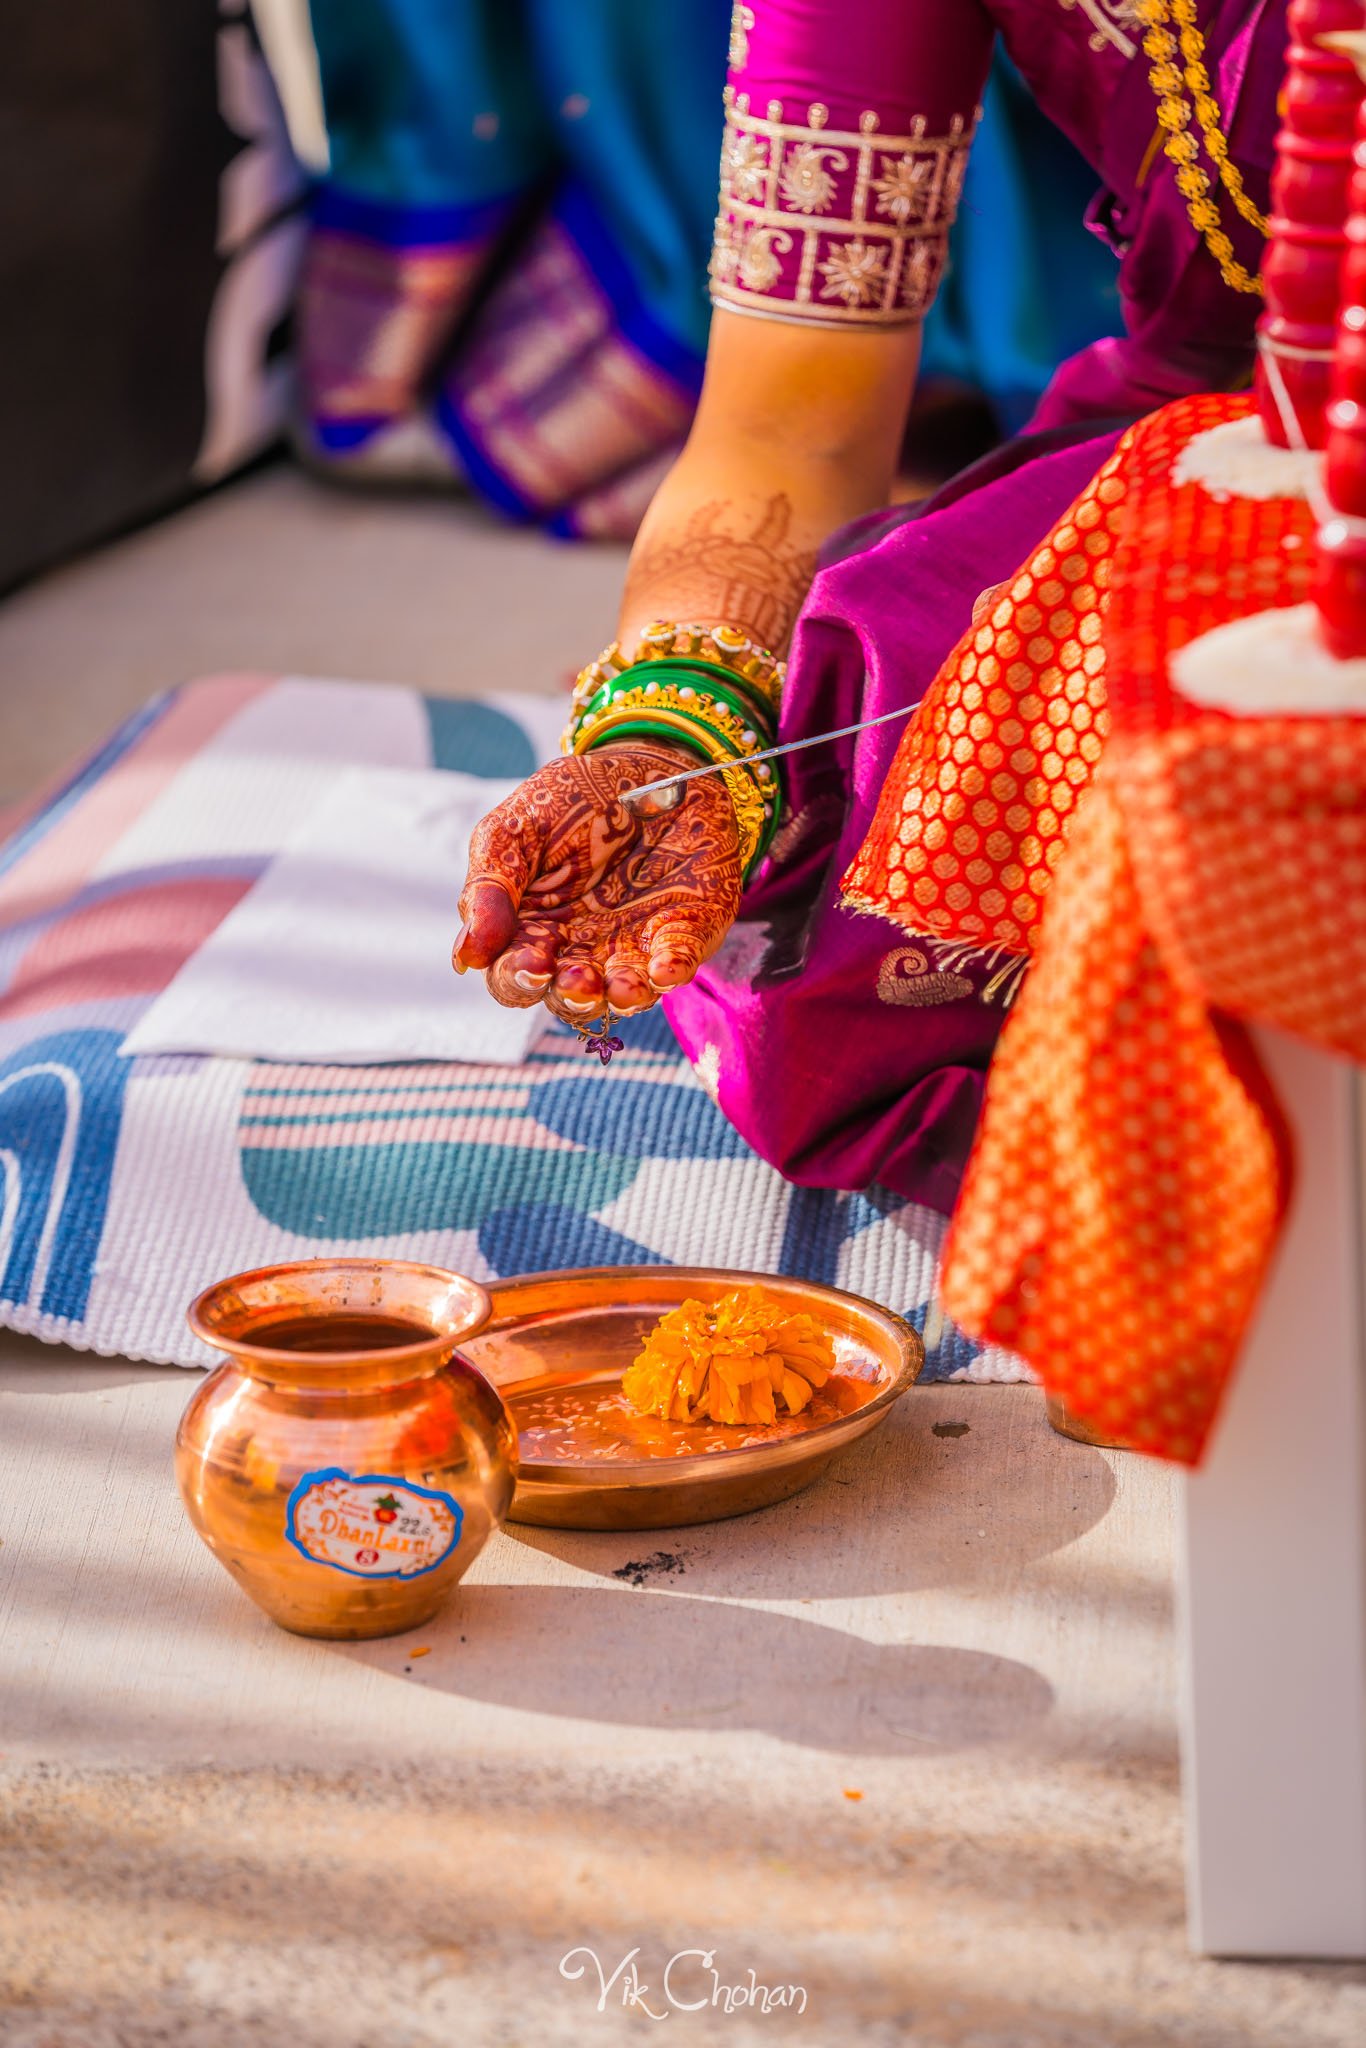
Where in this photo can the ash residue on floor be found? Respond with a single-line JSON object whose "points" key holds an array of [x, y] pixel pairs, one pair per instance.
{"points": [[642, 1571]]}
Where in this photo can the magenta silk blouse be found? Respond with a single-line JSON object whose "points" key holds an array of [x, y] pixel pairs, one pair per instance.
{"points": [[848, 124]]}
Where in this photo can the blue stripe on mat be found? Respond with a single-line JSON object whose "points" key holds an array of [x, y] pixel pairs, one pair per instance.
{"points": [[477, 739], [514, 1240]]}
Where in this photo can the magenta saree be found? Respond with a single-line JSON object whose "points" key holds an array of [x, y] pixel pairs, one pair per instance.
{"points": [[843, 1053]]}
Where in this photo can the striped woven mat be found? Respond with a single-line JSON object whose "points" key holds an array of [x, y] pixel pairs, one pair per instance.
{"points": [[126, 1185]]}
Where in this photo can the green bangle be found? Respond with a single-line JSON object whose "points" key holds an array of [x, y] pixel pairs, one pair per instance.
{"points": [[721, 704], [726, 722], [677, 684], [721, 682]]}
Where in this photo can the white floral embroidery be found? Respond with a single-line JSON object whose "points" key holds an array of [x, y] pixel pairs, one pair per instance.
{"points": [[747, 167], [760, 268], [1110, 19], [806, 184], [741, 22], [904, 188], [854, 272], [839, 225], [918, 277], [751, 254], [952, 189], [725, 251]]}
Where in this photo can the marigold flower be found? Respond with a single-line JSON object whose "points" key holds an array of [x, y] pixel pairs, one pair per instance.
{"points": [[740, 1359]]}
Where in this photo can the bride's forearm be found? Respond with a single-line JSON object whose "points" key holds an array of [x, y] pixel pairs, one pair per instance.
{"points": [[727, 543], [798, 432]]}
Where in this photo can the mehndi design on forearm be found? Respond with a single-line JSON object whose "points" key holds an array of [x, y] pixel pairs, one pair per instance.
{"points": [[714, 569]]}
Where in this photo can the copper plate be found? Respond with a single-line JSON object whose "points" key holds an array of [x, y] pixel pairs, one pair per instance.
{"points": [[557, 1345]]}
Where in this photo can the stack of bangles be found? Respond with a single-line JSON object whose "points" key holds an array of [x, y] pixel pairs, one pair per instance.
{"points": [[706, 688]]}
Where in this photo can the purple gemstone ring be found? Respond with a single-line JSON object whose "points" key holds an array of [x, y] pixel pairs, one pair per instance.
{"points": [[598, 1038]]}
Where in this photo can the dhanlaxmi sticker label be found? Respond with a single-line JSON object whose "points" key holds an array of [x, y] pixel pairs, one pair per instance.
{"points": [[371, 1525]]}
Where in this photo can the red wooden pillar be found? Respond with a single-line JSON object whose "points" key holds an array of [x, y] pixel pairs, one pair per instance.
{"points": [[1340, 570], [1308, 202]]}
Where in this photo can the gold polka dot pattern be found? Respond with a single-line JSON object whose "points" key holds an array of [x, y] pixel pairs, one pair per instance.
{"points": [[1124, 1197], [1122, 1200], [977, 807]]}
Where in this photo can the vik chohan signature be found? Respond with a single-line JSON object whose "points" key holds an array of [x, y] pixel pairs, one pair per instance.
{"points": [[691, 1982]]}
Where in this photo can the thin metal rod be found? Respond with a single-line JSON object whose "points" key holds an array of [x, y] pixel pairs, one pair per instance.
{"points": [[770, 754]]}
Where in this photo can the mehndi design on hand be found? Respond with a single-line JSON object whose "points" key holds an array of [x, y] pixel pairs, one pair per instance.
{"points": [[574, 901]]}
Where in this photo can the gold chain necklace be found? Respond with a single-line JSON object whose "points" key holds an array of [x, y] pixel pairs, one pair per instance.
{"points": [[1170, 81]]}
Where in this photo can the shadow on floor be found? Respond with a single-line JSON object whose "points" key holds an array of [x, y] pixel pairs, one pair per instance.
{"points": [[28, 1366], [906, 1509], [673, 1662]]}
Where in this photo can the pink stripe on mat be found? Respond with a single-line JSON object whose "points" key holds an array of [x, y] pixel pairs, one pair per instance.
{"points": [[416, 1130], [281, 1078], [308, 1086], [126, 946], [64, 858], [469, 1100]]}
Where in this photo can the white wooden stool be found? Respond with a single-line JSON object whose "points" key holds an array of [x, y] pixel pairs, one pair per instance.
{"points": [[1273, 1571]]}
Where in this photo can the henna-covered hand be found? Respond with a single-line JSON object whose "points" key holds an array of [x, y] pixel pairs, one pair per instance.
{"points": [[577, 902]]}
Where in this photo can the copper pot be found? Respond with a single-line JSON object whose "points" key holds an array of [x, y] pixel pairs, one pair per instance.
{"points": [[1067, 1422], [346, 1465]]}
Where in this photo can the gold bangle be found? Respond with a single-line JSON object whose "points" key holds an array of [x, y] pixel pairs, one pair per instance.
{"points": [[729, 647]]}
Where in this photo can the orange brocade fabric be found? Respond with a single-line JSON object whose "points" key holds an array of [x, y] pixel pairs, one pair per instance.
{"points": [[1124, 1196]]}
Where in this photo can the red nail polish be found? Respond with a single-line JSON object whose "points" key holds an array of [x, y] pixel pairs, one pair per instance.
{"points": [[456, 962]]}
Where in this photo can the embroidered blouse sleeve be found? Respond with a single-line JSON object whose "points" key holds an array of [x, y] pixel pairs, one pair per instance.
{"points": [[848, 124]]}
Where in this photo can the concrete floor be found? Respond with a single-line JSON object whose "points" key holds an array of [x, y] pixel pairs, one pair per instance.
{"points": [[212, 1833], [278, 573]]}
